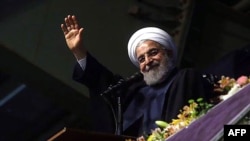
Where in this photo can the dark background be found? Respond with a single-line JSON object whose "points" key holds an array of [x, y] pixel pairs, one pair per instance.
{"points": [[38, 96]]}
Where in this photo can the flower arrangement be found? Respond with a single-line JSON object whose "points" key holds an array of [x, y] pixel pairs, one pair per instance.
{"points": [[188, 114], [225, 88]]}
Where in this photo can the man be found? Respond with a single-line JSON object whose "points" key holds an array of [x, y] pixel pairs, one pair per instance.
{"points": [[161, 94]]}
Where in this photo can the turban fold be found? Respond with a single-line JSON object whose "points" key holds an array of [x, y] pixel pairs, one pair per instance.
{"points": [[150, 33]]}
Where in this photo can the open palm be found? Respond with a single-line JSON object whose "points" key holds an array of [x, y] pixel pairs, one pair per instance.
{"points": [[72, 33]]}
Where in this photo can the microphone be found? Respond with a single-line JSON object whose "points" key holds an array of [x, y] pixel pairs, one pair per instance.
{"points": [[135, 77], [124, 82], [121, 83]]}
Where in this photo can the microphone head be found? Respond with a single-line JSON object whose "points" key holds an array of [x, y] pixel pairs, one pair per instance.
{"points": [[135, 77]]}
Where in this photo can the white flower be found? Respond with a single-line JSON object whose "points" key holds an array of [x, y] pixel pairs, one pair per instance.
{"points": [[236, 87]]}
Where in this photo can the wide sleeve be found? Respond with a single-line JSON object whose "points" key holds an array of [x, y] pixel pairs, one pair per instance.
{"points": [[97, 78]]}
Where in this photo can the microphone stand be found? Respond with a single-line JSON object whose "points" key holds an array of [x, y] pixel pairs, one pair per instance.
{"points": [[119, 115], [118, 88]]}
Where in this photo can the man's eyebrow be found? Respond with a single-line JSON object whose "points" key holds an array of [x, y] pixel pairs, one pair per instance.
{"points": [[154, 48]]}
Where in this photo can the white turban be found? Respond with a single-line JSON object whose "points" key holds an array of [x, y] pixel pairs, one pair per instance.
{"points": [[154, 34]]}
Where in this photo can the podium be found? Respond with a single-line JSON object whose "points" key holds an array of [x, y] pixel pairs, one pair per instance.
{"points": [[210, 127], [207, 128], [68, 134]]}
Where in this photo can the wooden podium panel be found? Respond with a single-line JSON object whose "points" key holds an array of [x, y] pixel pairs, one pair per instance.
{"points": [[67, 134]]}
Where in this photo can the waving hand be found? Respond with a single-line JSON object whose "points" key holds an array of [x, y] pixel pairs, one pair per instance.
{"points": [[73, 36]]}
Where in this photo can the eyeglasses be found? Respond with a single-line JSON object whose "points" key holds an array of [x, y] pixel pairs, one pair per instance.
{"points": [[152, 52]]}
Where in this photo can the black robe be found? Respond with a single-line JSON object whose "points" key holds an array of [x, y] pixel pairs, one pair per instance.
{"points": [[142, 105]]}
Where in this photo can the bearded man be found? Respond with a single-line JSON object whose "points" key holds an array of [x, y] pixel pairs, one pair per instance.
{"points": [[160, 95]]}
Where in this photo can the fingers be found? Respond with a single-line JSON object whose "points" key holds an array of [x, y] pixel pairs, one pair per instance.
{"points": [[64, 29], [75, 22], [70, 24]]}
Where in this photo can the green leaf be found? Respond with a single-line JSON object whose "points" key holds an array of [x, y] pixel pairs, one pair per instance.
{"points": [[190, 101], [161, 124], [199, 99]]}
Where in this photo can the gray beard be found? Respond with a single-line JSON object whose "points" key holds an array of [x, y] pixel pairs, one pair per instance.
{"points": [[158, 73]]}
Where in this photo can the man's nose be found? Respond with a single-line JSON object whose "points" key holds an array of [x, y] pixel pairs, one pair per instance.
{"points": [[148, 59]]}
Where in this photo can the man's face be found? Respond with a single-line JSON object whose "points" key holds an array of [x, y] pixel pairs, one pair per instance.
{"points": [[153, 61]]}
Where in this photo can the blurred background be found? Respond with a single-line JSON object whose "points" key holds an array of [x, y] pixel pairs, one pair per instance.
{"points": [[37, 94]]}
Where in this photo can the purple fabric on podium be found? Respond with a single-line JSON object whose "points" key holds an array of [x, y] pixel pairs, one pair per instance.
{"points": [[210, 126]]}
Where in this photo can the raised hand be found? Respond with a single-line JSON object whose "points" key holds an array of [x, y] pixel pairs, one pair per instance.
{"points": [[73, 36]]}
